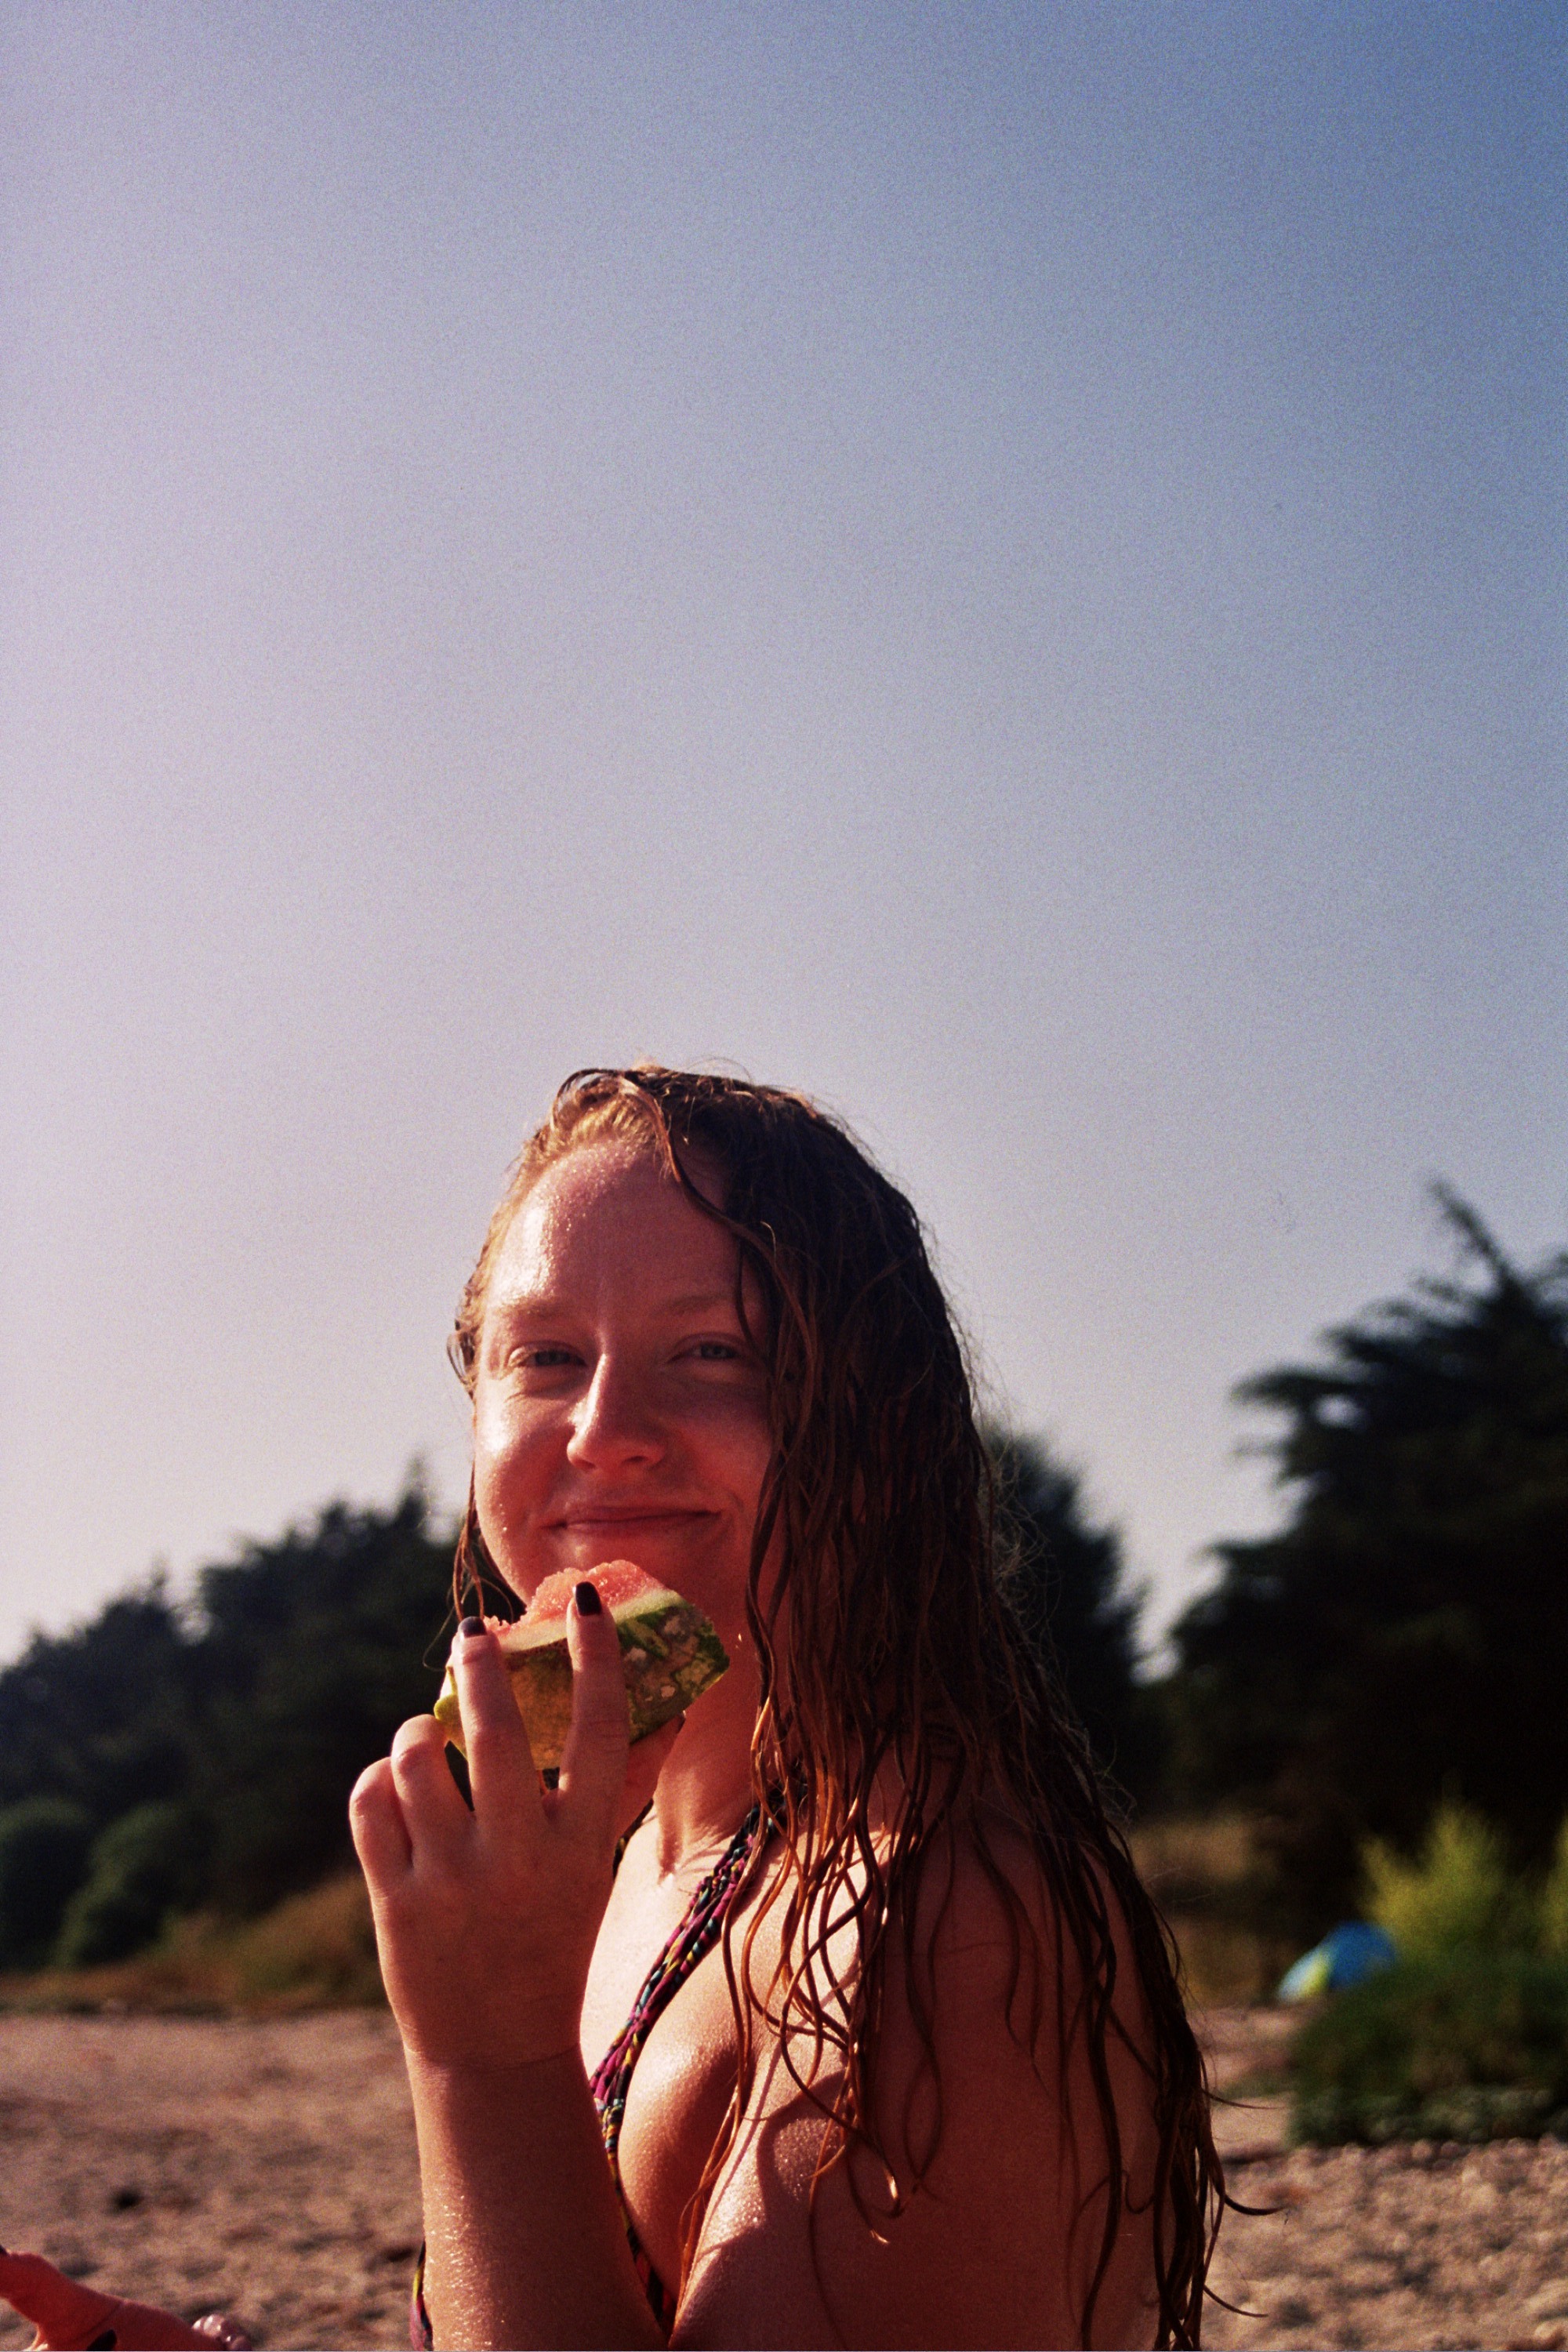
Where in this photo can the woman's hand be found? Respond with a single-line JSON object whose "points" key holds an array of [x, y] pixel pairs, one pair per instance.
{"points": [[68, 2315], [486, 1920]]}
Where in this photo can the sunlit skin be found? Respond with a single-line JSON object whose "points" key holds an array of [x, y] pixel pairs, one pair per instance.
{"points": [[621, 1413]]}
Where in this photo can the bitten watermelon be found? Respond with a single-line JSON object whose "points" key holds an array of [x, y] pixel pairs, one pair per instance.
{"points": [[670, 1654]]}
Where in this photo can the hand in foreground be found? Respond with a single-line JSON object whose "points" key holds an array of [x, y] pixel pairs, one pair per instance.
{"points": [[486, 1920], [73, 2319]]}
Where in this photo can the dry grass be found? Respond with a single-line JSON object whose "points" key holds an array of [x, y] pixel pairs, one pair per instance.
{"points": [[314, 1951], [317, 1950], [1204, 1874], [1222, 1963], [1178, 1856]]}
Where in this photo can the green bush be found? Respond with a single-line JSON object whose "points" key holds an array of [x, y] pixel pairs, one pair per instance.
{"points": [[1459, 1897], [44, 1843], [1469, 2046], [142, 1868]]}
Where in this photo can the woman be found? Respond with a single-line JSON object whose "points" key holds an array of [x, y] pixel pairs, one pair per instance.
{"points": [[875, 2023]]}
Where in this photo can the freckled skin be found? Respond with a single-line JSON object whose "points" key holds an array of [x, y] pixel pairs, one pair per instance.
{"points": [[621, 1413], [619, 1410]]}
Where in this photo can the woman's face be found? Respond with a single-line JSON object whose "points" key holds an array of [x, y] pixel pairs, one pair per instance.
{"points": [[619, 1410]]}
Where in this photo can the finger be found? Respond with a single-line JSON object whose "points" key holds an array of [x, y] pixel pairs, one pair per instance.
{"points": [[138, 2326], [644, 1765], [503, 1774], [58, 2307], [594, 1764], [433, 1813], [216, 2327], [375, 1821]]}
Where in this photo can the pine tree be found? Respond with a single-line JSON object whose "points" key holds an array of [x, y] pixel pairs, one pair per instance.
{"points": [[1403, 1639]]}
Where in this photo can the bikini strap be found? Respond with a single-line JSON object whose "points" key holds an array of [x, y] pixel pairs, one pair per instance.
{"points": [[695, 1936]]}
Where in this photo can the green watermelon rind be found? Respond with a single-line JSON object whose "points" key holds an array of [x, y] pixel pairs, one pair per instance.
{"points": [[670, 1654]]}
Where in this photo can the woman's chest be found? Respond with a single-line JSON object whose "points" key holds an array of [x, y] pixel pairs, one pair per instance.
{"points": [[677, 2102], [680, 2083]]}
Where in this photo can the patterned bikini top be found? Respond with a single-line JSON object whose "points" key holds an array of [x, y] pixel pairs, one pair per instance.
{"points": [[697, 1933]]}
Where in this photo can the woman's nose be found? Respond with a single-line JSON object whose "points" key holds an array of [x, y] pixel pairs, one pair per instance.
{"points": [[615, 1423]]}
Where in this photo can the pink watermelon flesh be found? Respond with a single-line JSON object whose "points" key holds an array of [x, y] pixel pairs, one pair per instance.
{"points": [[670, 1655], [618, 1581]]}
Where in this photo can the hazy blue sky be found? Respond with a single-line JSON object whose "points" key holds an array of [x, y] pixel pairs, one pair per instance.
{"points": [[1003, 565]]}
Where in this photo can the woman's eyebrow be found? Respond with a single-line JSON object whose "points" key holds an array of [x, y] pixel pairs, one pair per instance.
{"points": [[536, 1305]]}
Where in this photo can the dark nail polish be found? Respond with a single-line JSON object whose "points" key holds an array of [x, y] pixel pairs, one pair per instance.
{"points": [[472, 1625], [586, 1596]]}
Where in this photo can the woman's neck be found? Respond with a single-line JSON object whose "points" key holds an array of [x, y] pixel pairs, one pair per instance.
{"points": [[704, 1792]]}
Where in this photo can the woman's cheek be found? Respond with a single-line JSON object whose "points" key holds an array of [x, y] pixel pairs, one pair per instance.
{"points": [[501, 1467]]}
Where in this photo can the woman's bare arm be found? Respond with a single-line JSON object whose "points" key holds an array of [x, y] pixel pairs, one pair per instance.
{"points": [[524, 2241]]}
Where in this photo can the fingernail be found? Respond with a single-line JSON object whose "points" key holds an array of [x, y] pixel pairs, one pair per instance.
{"points": [[472, 1625], [586, 1596]]}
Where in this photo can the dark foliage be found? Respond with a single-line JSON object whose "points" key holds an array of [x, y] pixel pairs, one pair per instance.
{"points": [[1404, 1638], [221, 1744], [314, 1650], [43, 1845], [102, 1716], [147, 1864], [1064, 1578]]}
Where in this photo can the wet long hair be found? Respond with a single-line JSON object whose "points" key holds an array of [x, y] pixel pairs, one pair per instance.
{"points": [[885, 1647]]}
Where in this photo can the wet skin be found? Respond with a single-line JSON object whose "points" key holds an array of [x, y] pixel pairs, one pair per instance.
{"points": [[620, 1410]]}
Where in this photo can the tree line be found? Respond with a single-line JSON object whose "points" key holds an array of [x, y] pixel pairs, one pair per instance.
{"points": [[164, 1757], [1402, 1640]]}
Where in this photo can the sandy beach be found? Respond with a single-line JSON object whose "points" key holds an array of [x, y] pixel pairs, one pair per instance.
{"points": [[263, 2167], [266, 2167]]}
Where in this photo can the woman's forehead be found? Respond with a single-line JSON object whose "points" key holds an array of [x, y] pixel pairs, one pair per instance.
{"points": [[609, 1210]]}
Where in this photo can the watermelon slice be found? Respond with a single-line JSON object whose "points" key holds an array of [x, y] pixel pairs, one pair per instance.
{"points": [[669, 1655]]}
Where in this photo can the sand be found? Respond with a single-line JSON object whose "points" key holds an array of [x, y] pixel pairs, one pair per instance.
{"points": [[266, 2167]]}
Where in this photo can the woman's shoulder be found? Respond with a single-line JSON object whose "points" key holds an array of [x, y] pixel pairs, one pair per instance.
{"points": [[979, 1929], [1011, 1960], [971, 2207]]}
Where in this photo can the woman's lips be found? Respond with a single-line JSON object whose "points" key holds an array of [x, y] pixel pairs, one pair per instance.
{"points": [[650, 1521], [593, 1538]]}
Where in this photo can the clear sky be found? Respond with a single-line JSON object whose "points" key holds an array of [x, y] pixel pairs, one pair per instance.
{"points": [[1000, 564]]}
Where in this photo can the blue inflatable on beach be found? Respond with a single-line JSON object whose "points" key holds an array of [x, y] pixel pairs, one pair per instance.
{"points": [[1347, 1956]]}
